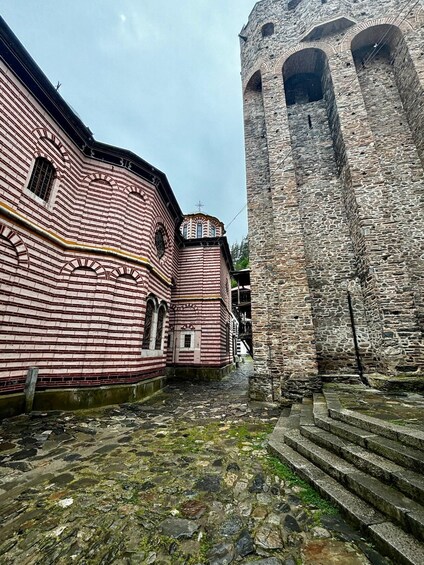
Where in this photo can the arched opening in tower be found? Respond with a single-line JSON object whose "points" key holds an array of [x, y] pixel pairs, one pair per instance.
{"points": [[393, 97], [330, 261]]}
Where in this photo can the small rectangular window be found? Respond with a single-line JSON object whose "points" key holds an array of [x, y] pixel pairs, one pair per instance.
{"points": [[199, 230], [187, 341], [185, 231], [213, 231]]}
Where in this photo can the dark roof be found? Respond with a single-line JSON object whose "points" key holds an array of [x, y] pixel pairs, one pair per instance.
{"points": [[242, 277], [17, 58]]}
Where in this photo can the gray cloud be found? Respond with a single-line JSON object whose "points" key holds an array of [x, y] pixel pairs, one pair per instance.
{"points": [[157, 77]]}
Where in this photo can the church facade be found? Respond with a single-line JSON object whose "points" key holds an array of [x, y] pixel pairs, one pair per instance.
{"points": [[101, 284], [334, 132]]}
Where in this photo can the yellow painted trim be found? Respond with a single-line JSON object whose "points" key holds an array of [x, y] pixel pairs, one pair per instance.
{"points": [[10, 213]]}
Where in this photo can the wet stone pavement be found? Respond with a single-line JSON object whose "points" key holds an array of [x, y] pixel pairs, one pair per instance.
{"points": [[184, 478]]}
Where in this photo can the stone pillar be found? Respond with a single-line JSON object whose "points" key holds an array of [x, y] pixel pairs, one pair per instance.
{"points": [[295, 346], [264, 385], [382, 271]]}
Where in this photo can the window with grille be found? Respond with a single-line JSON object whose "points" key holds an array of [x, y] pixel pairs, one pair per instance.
{"points": [[160, 243], [199, 230], [148, 320], [159, 328], [187, 341], [42, 178]]}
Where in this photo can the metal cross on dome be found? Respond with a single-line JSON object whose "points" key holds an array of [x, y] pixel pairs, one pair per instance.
{"points": [[199, 205]]}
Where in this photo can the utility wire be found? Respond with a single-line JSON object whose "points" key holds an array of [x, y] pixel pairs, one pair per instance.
{"points": [[380, 44], [376, 49]]}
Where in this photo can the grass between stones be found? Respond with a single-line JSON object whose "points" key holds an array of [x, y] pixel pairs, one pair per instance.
{"points": [[305, 492]]}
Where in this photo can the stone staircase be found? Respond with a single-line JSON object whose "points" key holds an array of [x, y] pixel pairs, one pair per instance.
{"points": [[370, 469]]}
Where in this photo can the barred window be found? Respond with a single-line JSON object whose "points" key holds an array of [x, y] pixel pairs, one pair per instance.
{"points": [[148, 320], [42, 178], [160, 243], [159, 328], [187, 341]]}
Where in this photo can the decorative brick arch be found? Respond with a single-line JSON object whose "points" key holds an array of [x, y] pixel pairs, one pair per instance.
{"points": [[160, 224], [135, 190], [83, 263], [17, 242], [58, 169], [100, 176], [326, 48], [43, 133], [346, 44], [128, 272]]}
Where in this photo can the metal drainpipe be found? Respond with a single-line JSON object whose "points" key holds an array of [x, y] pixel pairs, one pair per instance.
{"points": [[355, 339]]}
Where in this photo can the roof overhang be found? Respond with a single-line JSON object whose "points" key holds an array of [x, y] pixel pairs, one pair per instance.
{"points": [[329, 27], [23, 66]]}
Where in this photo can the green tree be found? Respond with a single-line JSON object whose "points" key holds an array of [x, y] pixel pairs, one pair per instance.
{"points": [[240, 254]]}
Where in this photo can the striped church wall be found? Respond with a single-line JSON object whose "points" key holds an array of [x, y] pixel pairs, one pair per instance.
{"points": [[66, 307], [77, 271], [199, 306]]}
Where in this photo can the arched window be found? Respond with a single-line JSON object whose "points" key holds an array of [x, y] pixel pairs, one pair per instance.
{"points": [[213, 231], [160, 242], [148, 323], [185, 230], [199, 230], [159, 327], [42, 178]]}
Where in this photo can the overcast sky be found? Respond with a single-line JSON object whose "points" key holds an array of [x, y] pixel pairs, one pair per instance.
{"points": [[157, 77]]}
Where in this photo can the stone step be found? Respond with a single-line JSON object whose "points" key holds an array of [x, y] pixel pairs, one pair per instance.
{"points": [[350, 379], [402, 548], [306, 413], [408, 482], [406, 512], [402, 454], [412, 438]]}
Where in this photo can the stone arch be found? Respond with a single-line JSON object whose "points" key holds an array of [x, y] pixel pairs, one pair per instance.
{"points": [[83, 263], [100, 176], [253, 82], [43, 133], [17, 242], [128, 272], [307, 66], [349, 38], [387, 68], [326, 48]]}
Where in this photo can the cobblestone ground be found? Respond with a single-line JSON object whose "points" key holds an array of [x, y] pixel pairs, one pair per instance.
{"points": [[183, 479]]}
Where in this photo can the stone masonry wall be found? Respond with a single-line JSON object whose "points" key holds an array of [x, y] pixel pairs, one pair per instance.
{"points": [[335, 185]]}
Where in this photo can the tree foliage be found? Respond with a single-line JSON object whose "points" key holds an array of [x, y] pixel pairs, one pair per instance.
{"points": [[240, 254]]}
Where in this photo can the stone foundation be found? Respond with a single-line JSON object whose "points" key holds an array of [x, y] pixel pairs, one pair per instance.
{"points": [[81, 398], [199, 373]]}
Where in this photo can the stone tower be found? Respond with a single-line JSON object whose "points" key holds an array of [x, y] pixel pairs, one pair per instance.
{"points": [[334, 132]]}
